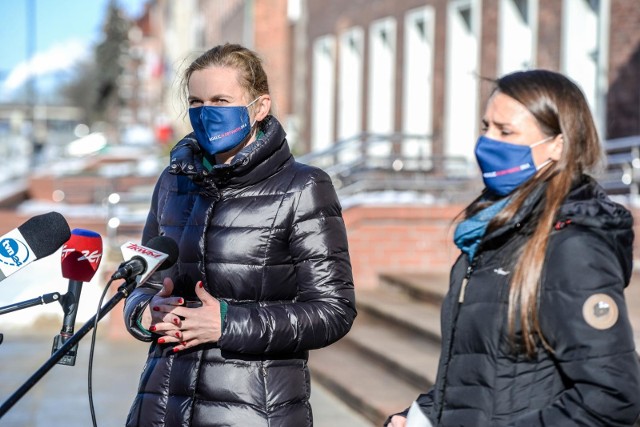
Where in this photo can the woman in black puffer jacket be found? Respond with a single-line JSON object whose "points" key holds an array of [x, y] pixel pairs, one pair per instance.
{"points": [[535, 330], [263, 274]]}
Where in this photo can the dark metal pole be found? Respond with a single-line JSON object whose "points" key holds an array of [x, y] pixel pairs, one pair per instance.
{"points": [[43, 299], [123, 291], [32, 90]]}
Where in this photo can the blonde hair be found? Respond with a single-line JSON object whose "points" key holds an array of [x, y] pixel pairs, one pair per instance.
{"points": [[251, 74]]}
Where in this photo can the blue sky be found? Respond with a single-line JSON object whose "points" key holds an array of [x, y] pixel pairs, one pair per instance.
{"points": [[65, 30]]}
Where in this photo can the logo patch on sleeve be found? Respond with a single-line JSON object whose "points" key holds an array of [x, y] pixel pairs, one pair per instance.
{"points": [[600, 311]]}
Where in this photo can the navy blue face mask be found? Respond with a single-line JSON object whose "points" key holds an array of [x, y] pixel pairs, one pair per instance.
{"points": [[220, 129], [505, 166]]}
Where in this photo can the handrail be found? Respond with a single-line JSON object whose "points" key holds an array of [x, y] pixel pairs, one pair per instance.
{"points": [[623, 143], [360, 162], [622, 175], [370, 162]]}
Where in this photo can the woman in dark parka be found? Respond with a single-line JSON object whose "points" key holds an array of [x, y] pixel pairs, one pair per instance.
{"points": [[263, 274], [535, 330]]}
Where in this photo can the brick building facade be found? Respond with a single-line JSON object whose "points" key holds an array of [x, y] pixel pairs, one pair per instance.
{"points": [[612, 87]]}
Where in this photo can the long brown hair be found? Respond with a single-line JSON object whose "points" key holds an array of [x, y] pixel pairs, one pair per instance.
{"points": [[559, 107], [251, 74]]}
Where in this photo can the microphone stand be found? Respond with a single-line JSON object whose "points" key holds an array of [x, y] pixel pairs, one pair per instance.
{"points": [[123, 291], [42, 299]]}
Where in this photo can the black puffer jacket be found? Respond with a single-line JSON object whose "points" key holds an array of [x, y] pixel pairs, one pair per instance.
{"points": [[265, 234], [593, 376]]}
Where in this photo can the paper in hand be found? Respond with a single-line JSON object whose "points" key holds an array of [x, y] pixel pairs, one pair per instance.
{"points": [[417, 418]]}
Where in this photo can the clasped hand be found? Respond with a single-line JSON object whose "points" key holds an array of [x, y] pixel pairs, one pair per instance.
{"points": [[187, 327]]}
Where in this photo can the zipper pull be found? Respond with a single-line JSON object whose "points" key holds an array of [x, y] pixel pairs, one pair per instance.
{"points": [[462, 289], [465, 281]]}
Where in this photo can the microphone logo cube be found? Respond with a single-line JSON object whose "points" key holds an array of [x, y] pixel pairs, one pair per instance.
{"points": [[131, 249], [151, 257], [81, 255]]}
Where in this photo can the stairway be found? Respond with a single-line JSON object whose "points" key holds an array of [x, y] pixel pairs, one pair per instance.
{"points": [[390, 355]]}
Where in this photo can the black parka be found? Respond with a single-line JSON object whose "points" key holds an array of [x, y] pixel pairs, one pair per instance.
{"points": [[592, 377], [266, 235]]}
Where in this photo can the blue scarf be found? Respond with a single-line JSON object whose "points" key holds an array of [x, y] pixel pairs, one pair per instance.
{"points": [[470, 231]]}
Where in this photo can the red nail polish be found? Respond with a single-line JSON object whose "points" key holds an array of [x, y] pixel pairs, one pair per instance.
{"points": [[160, 340], [177, 334], [176, 321], [200, 284], [152, 328], [156, 308], [180, 301], [184, 343], [175, 350]]}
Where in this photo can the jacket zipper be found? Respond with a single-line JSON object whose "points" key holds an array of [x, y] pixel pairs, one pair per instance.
{"points": [[454, 322], [465, 281]]}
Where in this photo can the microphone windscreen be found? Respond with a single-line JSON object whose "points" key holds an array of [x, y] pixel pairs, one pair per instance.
{"points": [[81, 255], [45, 233], [166, 245]]}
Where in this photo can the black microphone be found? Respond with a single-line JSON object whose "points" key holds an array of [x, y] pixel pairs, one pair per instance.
{"points": [[81, 257], [141, 262], [37, 238]]}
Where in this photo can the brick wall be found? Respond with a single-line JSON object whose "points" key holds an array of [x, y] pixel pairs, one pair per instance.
{"points": [[84, 189], [399, 239], [623, 98], [407, 239], [272, 41], [549, 34], [381, 238]]}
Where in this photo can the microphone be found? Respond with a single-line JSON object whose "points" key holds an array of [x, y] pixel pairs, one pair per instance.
{"points": [[37, 238], [141, 262], [81, 256], [150, 256]]}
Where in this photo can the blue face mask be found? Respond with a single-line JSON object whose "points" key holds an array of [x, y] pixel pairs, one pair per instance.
{"points": [[505, 166], [220, 129]]}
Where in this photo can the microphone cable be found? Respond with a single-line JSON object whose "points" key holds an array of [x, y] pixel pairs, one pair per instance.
{"points": [[157, 243], [91, 352]]}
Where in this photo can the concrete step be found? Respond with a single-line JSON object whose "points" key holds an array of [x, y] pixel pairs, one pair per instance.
{"points": [[401, 310], [411, 356], [391, 354], [430, 287], [362, 384]]}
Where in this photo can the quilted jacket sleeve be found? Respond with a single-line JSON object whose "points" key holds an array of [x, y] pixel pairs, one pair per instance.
{"points": [[140, 297], [600, 366], [324, 308]]}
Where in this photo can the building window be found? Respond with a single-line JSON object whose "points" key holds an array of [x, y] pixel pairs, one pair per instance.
{"points": [[350, 89], [417, 110], [382, 66], [584, 55], [462, 81], [517, 36], [323, 108], [350, 83]]}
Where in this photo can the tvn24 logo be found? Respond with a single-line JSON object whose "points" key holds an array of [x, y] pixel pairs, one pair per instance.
{"points": [[14, 252]]}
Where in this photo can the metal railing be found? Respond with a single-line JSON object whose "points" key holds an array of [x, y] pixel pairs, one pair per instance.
{"points": [[622, 174], [371, 162]]}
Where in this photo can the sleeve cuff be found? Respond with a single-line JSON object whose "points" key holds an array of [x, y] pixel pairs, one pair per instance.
{"points": [[142, 328], [223, 313]]}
